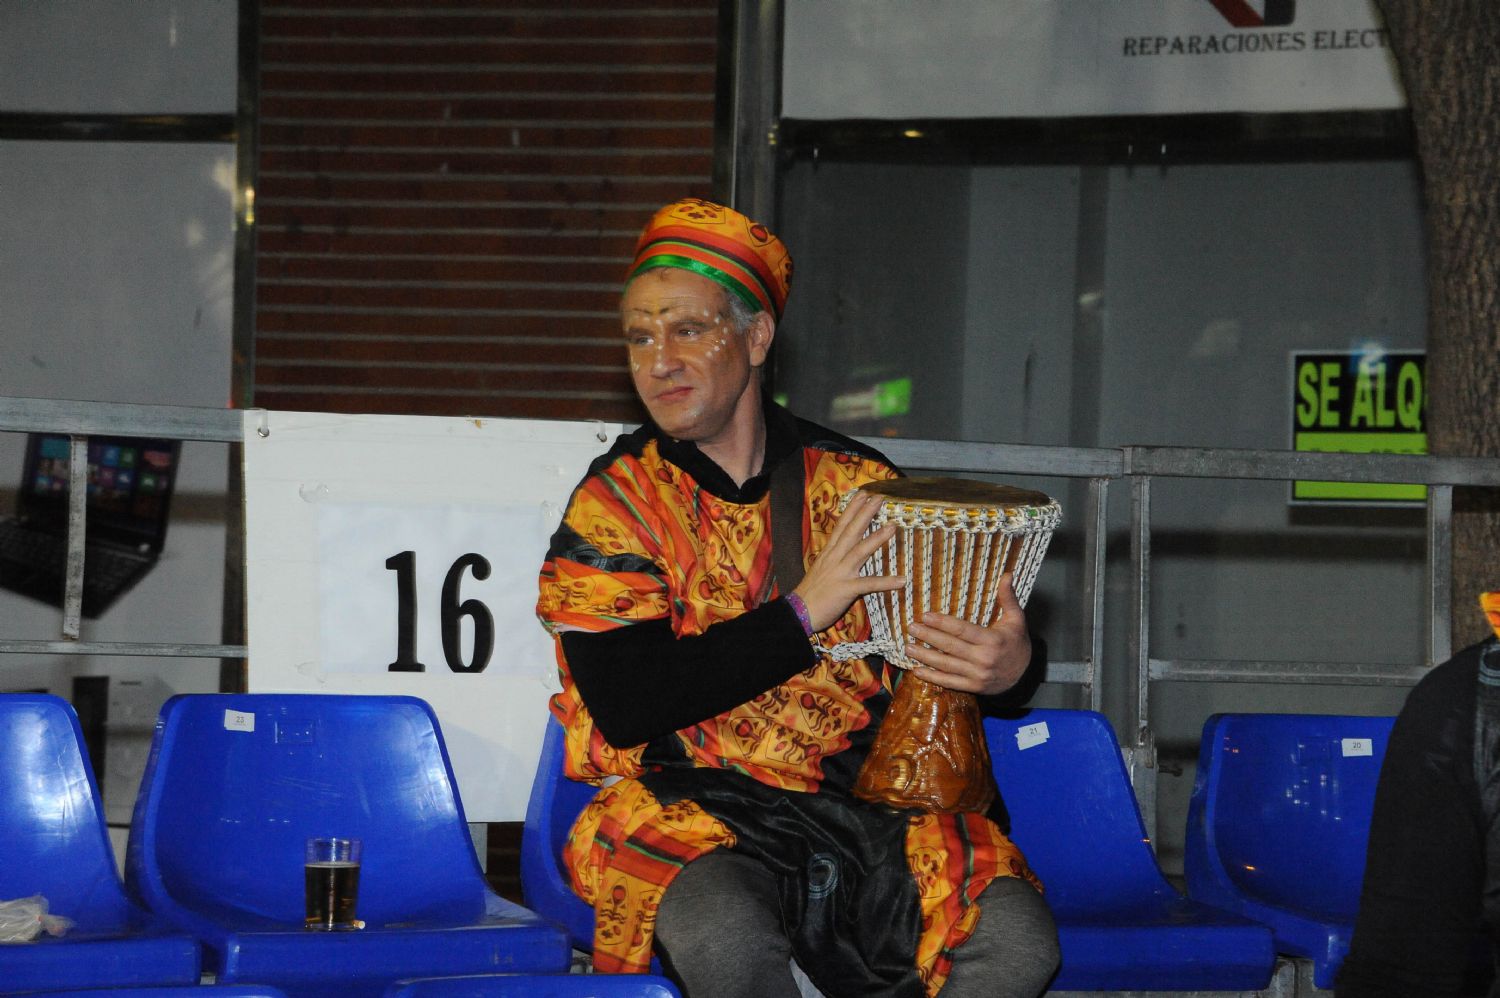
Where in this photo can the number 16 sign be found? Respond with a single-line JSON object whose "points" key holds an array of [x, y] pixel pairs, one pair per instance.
{"points": [[430, 588]]}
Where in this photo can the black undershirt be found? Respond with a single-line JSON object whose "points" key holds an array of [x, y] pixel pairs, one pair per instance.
{"points": [[641, 682]]}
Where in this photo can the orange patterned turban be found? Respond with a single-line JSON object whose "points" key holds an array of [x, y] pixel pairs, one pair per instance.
{"points": [[1490, 604], [722, 245]]}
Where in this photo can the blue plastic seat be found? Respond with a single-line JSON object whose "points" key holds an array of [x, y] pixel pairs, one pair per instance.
{"points": [[536, 986], [182, 991], [234, 786], [554, 805], [1121, 925], [1278, 824], [54, 843]]}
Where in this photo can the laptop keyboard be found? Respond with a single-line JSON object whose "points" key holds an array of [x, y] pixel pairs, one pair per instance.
{"points": [[38, 559]]}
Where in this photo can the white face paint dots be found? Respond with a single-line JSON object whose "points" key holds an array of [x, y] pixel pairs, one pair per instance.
{"points": [[691, 367]]}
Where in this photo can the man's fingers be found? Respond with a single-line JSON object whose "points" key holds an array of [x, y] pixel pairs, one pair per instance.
{"points": [[878, 583], [877, 539], [854, 519], [1007, 593], [938, 667], [948, 624]]}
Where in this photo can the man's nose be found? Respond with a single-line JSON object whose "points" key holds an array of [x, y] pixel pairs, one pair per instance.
{"points": [[665, 359]]}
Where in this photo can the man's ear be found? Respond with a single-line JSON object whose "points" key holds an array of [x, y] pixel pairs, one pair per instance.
{"points": [[758, 338]]}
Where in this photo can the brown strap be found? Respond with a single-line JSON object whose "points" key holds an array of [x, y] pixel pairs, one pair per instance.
{"points": [[788, 497]]}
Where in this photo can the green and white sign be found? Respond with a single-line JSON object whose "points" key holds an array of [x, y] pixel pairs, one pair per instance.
{"points": [[1359, 402]]}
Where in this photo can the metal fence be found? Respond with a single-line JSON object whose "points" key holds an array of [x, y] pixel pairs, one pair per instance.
{"points": [[1136, 467]]}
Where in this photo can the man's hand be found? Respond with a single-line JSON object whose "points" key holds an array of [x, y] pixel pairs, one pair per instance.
{"points": [[833, 581], [964, 656]]}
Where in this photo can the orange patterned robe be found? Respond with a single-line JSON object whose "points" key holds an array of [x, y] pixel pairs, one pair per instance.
{"points": [[643, 540]]}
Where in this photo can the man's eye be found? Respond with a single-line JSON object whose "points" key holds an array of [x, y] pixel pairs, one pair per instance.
{"points": [[638, 339]]}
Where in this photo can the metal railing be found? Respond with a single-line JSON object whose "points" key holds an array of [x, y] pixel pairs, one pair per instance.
{"points": [[81, 420], [1099, 467], [1139, 466]]}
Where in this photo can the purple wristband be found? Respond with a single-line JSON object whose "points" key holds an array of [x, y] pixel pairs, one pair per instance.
{"points": [[800, 609]]}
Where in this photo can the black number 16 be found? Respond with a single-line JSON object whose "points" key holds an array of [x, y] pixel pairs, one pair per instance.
{"points": [[450, 610]]}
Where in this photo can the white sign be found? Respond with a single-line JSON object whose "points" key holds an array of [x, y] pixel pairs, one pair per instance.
{"points": [[903, 59], [1357, 746], [413, 588], [399, 555]]}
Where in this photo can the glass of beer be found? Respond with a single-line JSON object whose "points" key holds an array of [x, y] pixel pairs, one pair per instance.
{"points": [[331, 883]]}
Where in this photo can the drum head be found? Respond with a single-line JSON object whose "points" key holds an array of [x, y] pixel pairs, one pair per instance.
{"points": [[957, 493]]}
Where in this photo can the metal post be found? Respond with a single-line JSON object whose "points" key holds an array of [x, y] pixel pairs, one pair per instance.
{"points": [[1140, 744], [1439, 573], [748, 105], [1094, 535], [78, 491]]}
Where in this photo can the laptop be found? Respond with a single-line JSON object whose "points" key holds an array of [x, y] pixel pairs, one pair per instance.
{"points": [[130, 482]]}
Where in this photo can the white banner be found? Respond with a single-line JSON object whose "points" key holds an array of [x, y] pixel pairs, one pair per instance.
{"points": [[900, 59], [399, 555]]}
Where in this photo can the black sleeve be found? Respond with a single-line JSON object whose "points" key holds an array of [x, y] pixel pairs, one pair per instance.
{"points": [[1419, 909], [641, 682], [1020, 694]]}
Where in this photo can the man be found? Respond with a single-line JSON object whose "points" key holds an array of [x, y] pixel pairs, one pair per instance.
{"points": [[696, 694], [1429, 909]]}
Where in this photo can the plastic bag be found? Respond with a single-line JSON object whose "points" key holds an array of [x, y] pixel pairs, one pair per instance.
{"points": [[23, 919]]}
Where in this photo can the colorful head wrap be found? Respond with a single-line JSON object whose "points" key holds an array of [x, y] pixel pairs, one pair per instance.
{"points": [[722, 245]]}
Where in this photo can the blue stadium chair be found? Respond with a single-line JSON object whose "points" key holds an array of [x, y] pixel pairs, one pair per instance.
{"points": [[554, 805], [54, 843], [1278, 823], [1121, 925], [182, 991], [550, 812], [234, 786], [536, 986]]}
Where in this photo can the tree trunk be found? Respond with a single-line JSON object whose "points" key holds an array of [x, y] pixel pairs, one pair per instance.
{"points": [[1448, 52]]}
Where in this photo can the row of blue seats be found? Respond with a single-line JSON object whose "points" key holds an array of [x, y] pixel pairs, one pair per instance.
{"points": [[471, 986], [1275, 847], [235, 783], [213, 884]]}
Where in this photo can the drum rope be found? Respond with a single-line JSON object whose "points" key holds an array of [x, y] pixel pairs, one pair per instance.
{"points": [[1029, 526]]}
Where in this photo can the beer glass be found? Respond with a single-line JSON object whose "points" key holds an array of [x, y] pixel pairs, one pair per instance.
{"points": [[331, 883]]}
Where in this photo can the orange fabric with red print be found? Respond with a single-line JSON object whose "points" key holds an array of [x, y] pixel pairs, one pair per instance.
{"points": [[710, 561]]}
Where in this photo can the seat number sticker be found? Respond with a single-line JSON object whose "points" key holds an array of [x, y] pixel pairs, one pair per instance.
{"points": [[237, 720], [1031, 735]]}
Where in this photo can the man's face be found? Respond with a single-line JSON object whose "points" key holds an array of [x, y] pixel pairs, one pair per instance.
{"points": [[691, 367]]}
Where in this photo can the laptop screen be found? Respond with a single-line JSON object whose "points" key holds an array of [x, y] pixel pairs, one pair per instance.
{"points": [[130, 481]]}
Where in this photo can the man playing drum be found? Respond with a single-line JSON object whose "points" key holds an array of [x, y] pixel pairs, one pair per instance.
{"points": [[695, 694]]}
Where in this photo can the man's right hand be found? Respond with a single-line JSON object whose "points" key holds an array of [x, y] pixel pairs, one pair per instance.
{"points": [[833, 582]]}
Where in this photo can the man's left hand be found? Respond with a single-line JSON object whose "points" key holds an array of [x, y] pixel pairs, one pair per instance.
{"points": [[964, 656]]}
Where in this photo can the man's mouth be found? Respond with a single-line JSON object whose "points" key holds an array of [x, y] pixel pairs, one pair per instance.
{"points": [[674, 394]]}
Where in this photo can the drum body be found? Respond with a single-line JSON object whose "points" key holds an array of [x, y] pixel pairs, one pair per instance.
{"points": [[955, 540]]}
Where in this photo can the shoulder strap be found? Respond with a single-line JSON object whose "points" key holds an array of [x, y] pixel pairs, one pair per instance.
{"points": [[788, 498]]}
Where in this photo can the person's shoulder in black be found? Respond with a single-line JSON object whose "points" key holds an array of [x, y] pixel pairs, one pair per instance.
{"points": [[1419, 911]]}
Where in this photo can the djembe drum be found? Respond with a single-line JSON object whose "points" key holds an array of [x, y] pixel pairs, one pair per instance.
{"points": [[954, 540]]}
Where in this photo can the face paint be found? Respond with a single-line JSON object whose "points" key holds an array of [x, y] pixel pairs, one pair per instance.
{"points": [[691, 367]]}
